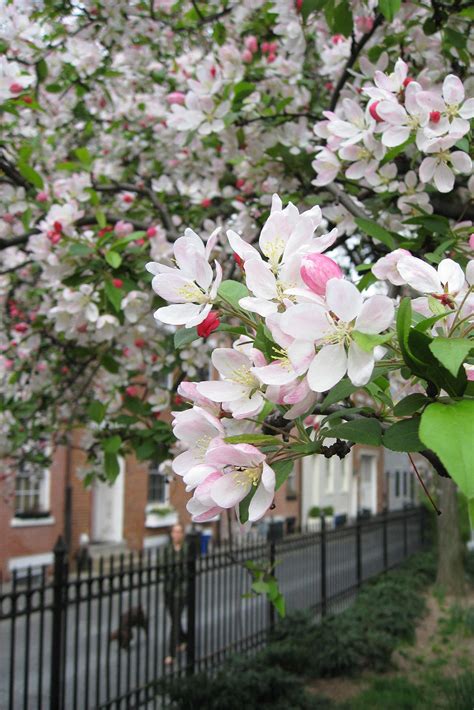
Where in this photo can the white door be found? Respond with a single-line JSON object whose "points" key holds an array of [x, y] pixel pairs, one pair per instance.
{"points": [[107, 509], [368, 483]]}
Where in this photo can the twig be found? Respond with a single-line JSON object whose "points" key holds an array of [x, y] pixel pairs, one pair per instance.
{"points": [[438, 512], [356, 49], [346, 201]]}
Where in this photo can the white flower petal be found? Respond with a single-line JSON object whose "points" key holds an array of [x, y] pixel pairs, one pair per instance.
{"points": [[419, 275], [360, 365], [328, 367], [344, 299], [376, 315]]}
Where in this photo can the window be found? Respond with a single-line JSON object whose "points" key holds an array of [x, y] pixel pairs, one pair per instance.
{"points": [[412, 488], [31, 492], [291, 492], [157, 484], [397, 484], [405, 483]]}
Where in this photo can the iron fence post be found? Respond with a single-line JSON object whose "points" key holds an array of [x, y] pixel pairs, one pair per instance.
{"points": [[358, 552], [58, 622], [385, 538], [323, 568], [272, 536], [193, 541]]}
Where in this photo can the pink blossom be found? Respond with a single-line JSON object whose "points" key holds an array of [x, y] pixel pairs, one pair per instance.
{"points": [[176, 97]]}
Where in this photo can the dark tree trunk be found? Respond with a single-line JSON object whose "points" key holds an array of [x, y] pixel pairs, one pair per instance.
{"points": [[450, 574]]}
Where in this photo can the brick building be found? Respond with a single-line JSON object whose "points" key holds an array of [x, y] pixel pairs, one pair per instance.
{"points": [[135, 513]]}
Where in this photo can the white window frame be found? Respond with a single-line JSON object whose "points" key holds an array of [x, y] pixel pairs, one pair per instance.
{"points": [[44, 502]]}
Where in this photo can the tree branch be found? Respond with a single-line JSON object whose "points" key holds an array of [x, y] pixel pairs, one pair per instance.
{"points": [[346, 200], [356, 49]]}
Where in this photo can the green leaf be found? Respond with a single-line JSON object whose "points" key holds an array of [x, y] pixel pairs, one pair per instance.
{"points": [[41, 70], [96, 411], [113, 259], [112, 444], [232, 292], [101, 220], [448, 430], [242, 90], [110, 364], [255, 439], [244, 505], [342, 18], [80, 250], [184, 336], [376, 231], [112, 466], [403, 436], [114, 295], [410, 404], [451, 352], [310, 6], [343, 389], [360, 431], [389, 8], [219, 33], [84, 157], [368, 341], [470, 508], [30, 174], [282, 471]]}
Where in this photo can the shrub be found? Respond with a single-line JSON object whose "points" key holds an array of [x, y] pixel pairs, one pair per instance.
{"points": [[243, 682], [389, 694], [459, 692]]}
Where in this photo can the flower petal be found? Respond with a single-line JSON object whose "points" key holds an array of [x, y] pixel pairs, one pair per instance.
{"points": [[328, 367], [229, 491], [344, 299], [419, 275], [376, 315], [260, 279], [451, 275], [360, 365]]}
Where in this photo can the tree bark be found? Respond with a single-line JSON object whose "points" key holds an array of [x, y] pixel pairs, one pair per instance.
{"points": [[450, 575]]}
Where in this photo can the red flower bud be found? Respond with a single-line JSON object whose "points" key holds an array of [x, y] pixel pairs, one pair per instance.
{"points": [[131, 391], [139, 343], [118, 283], [435, 116], [373, 112], [209, 325]]}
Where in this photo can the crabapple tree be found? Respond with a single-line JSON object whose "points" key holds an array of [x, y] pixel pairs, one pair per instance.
{"points": [[159, 135]]}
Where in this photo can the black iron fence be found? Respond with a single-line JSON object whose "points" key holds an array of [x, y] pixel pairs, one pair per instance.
{"points": [[113, 636]]}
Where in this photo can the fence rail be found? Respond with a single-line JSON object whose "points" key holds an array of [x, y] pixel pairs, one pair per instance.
{"points": [[99, 639]]}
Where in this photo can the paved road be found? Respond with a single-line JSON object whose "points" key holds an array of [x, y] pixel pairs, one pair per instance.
{"points": [[98, 671]]}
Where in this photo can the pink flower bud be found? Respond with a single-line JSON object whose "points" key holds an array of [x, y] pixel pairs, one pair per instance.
{"points": [[364, 24], [151, 232], [16, 88], [176, 97], [271, 57], [247, 56], [118, 283], [8, 218], [251, 43], [435, 116], [42, 196], [21, 327], [131, 391], [206, 202], [265, 47], [337, 39], [316, 270], [122, 228], [471, 241]]}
